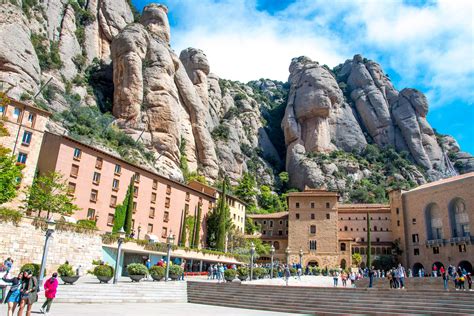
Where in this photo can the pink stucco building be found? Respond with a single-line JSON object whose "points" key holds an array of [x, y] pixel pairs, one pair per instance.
{"points": [[99, 181]]}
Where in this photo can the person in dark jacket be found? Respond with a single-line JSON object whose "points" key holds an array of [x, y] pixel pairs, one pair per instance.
{"points": [[29, 292], [13, 296]]}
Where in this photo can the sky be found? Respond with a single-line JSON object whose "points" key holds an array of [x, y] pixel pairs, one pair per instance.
{"points": [[426, 45]]}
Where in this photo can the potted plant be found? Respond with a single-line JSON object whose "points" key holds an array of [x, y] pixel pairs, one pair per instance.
{"points": [[293, 271], [137, 271], [230, 275], [103, 272], [242, 273], [175, 271], [157, 273], [66, 273]]}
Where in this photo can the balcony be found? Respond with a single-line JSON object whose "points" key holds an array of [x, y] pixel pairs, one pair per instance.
{"points": [[461, 240], [435, 242]]}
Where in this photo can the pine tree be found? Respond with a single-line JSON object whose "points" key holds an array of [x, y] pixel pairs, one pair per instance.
{"points": [[119, 218], [197, 229], [183, 229], [222, 212], [369, 244], [128, 204]]}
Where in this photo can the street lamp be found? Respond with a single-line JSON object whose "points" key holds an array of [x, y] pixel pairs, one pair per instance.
{"points": [[170, 241], [51, 224], [121, 235], [301, 257], [252, 252], [287, 252], [272, 252]]}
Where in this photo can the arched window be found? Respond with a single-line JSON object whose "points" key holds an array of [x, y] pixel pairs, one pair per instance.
{"points": [[345, 228], [375, 228], [459, 218], [362, 250], [343, 246], [434, 222], [377, 250], [276, 244]]}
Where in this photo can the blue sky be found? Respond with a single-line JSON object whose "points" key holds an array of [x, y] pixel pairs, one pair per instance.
{"points": [[427, 45]]}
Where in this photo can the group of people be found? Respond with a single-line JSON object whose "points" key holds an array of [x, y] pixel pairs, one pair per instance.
{"points": [[459, 276], [24, 290], [216, 271]]}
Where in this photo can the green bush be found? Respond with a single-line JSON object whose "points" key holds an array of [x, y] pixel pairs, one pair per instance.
{"points": [[230, 274], [33, 267], [293, 271], [103, 270], [86, 223], [220, 132], [243, 271], [48, 57], [9, 215], [157, 271], [137, 269], [66, 270], [259, 273], [175, 269]]}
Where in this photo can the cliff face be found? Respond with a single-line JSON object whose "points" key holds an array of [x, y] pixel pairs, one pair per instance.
{"points": [[317, 126]]}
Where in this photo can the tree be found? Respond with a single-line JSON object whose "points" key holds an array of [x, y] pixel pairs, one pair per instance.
{"points": [[223, 209], [128, 203], [10, 172], [268, 200], [356, 259], [384, 262], [245, 190], [190, 221], [119, 217], [182, 239], [369, 243], [197, 229], [50, 193]]}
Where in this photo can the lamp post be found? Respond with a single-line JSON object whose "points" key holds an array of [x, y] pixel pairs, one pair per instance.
{"points": [[301, 258], [170, 241], [121, 234], [51, 224], [139, 230], [287, 252], [252, 253], [272, 252]]}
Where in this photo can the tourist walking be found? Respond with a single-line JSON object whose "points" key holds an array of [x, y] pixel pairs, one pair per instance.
{"points": [[435, 271], [29, 292], [469, 281], [353, 278], [371, 276], [445, 277], [335, 277], [390, 279], [13, 297], [344, 279], [183, 267], [221, 272], [401, 276], [287, 274], [50, 288]]}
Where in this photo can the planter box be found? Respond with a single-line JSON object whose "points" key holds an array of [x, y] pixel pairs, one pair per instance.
{"points": [[243, 277], [136, 278], [229, 279], [174, 276], [157, 277], [104, 279], [69, 279]]}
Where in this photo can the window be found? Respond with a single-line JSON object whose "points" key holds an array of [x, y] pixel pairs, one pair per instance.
{"points": [[312, 245], [164, 232], [22, 157], [377, 239], [276, 244], [150, 228], [398, 223], [398, 211], [415, 238], [118, 169], [186, 208], [264, 232], [167, 202], [435, 250], [2, 110], [375, 228], [380, 218], [352, 229], [134, 207], [94, 195], [77, 153], [188, 196], [312, 229], [166, 216], [416, 252], [91, 214], [281, 222], [96, 178], [74, 171], [343, 246], [113, 200], [413, 221], [31, 118], [98, 163], [270, 233], [362, 239], [16, 113], [297, 205], [168, 189], [345, 228], [135, 191], [264, 222], [115, 184], [110, 220], [312, 216], [462, 248], [153, 197], [71, 188], [152, 212], [312, 204], [155, 184], [26, 140], [136, 177], [328, 205], [234, 216], [328, 216], [271, 223], [297, 215], [280, 233]]}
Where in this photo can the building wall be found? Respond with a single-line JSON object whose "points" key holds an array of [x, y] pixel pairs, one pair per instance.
{"points": [[30, 120], [415, 203], [60, 150]]}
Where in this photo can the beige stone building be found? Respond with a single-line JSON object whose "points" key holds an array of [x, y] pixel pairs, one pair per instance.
{"points": [[26, 125], [434, 223], [237, 207]]}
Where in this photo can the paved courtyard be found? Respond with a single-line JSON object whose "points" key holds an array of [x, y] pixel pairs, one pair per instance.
{"points": [[150, 309], [310, 280]]}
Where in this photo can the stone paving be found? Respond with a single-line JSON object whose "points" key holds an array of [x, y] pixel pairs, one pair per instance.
{"points": [[305, 280]]}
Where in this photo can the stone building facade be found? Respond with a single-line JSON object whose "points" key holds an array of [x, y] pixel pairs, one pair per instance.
{"points": [[433, 223], [26, 125], [99, 181]]}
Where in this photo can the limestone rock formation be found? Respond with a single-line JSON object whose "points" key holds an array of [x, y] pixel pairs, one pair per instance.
{"points": [[68, 44]]}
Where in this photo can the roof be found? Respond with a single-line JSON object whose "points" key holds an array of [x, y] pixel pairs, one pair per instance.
{"points": [[220, 191], [363, 208], [442, 181], [131, 164], [313, 192], [269, 215], [30, 106]]}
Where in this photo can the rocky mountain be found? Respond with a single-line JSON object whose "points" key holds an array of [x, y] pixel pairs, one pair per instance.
{"points": [[110, 76]]}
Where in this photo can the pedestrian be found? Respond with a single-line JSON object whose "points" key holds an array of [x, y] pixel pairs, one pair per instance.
{"points": [[298, 273], [401, 276], [353, 279], [435, 271], [445, 278], [287, 274], [8, 264], [29, 292], [371, 277], [461, 282], [390, 279], [221, 273], [50, 288], [13, 297], [469, 281], [344, 279], [183, 266], [335, 277]]}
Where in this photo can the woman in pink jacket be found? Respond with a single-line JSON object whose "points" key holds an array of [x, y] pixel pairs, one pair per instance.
{"points": [[50, 287]]}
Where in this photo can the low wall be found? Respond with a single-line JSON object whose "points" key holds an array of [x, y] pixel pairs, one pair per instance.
{"points": [[24, 243]]}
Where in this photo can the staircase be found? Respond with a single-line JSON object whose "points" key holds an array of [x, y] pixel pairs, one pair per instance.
{"points": [[317, 300], [122, 292], [427, 283]]}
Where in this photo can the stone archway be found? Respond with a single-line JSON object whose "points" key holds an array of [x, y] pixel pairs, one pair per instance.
{"points": [[416, 269], [438, 265], [343, 264], [466, 265], [313, 263]]}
